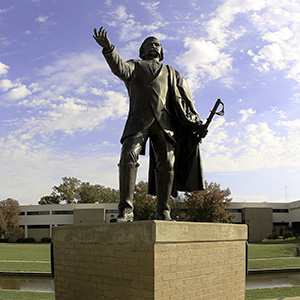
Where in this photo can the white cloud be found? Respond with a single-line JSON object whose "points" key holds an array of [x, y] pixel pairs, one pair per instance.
{"points": [[246, 113], [19, 92], [36, 168], [203, 61], [42, 19], [6, 84], [279, 28], [153, 9], [224, 16], [3, 68], [256, 147]]}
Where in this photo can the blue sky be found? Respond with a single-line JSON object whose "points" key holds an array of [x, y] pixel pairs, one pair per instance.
{"points": [[62, 111]]}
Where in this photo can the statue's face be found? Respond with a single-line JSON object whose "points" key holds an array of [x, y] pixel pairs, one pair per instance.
{"points": [[152, 48]]}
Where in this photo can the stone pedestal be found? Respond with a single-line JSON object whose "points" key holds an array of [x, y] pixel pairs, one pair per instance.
{"points": [[150, 260]]}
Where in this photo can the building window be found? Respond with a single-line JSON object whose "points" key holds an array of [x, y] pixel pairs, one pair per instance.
{"points": [[38, 226], [111, 211], [275, 210], [38, 213], [22, 213], [234, 210], [62, 212]]}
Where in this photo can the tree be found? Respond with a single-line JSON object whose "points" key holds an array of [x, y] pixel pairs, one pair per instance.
{"points": [[67, 192], [72, 190], [9, 218], [97, 193], [209, 205], [52, 199], [144, 204]]}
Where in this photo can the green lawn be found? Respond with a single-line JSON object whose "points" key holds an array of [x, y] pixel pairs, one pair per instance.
{"points": [[25, 257], [274, 263], [288, 253], [29, 252], [26, 295], [25, 266], [272, 250], [272, 293]]}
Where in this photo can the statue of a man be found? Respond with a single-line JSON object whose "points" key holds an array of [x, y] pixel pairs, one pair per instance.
{"points": [[162, 110]]}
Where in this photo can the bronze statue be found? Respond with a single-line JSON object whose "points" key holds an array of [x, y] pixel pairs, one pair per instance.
{"points": [[161, 109]]}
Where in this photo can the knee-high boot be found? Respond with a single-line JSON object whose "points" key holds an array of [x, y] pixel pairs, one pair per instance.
{"points": [[127, 178], [164, 184]]}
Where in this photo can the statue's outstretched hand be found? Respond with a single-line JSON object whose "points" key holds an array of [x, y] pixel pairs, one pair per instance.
{"points": [[102, 39]]}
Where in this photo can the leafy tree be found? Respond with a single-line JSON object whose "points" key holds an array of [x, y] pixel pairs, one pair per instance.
{"points": [[69, 190], [97, 193], [144, 204], [52, 199], [209, 205], [72, 190], [9, 218]]}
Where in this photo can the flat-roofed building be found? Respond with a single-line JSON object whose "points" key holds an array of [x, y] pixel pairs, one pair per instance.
{"points": [[261, 217], [38, 220]]}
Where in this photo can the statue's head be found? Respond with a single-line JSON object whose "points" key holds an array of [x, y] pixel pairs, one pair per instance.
{"points": [[150, 48]]}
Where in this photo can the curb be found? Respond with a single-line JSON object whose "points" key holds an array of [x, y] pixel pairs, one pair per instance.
{"points": [[24, 273], [267, 271]]}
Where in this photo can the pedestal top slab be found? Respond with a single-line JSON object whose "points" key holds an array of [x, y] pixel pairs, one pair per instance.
{"points": [[150, 232]]}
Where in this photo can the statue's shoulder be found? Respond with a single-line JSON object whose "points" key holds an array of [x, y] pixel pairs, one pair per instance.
{"points": [[173, 70], [133, 61]]}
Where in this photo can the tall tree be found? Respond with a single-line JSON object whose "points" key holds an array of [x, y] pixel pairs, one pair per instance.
{"points": [[9, 218], [144, 204], [52, 199], [209, 205], [69, 190], [72, 190], [97, 193]]}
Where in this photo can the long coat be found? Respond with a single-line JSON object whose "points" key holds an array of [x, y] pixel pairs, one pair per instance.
{"points": [[163, 97]]}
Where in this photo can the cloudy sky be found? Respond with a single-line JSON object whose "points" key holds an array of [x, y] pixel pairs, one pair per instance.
{"points": [[62, 111]]}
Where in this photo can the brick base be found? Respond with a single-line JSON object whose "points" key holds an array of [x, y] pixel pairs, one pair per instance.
{"points": [[150, 260]]}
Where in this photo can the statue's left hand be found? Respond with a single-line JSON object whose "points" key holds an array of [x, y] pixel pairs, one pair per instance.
{"points": [[201, 130], [102, 39]]}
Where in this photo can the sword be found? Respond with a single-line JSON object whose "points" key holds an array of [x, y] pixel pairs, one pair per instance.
{"points": [[215, 112], [198, 139]]}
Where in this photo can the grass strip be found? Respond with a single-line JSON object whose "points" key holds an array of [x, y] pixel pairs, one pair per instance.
{"points": [[274, 263], [269, 251], [273, 293], [16, 251], [26, 295], [25, 266]]}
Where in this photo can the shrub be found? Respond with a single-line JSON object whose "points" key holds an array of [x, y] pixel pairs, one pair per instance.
{"points": [[3, 240], [290, 238], [278, 240], [29, 240], [20, 240], [46, 240], [287, 234], [273, 236]]}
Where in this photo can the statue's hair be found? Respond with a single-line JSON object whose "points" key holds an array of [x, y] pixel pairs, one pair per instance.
{"points": [[142, 53]]}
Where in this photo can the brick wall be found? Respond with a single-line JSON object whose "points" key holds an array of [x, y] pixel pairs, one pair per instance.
{"points": [[146, 260], [211, 270]]}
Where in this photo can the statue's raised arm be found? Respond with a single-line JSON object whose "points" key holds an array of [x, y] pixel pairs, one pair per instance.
{"points": [[102, 39]]}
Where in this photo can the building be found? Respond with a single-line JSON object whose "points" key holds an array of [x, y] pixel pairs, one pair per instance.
{"points": [[38, 220], [262, 217]]}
